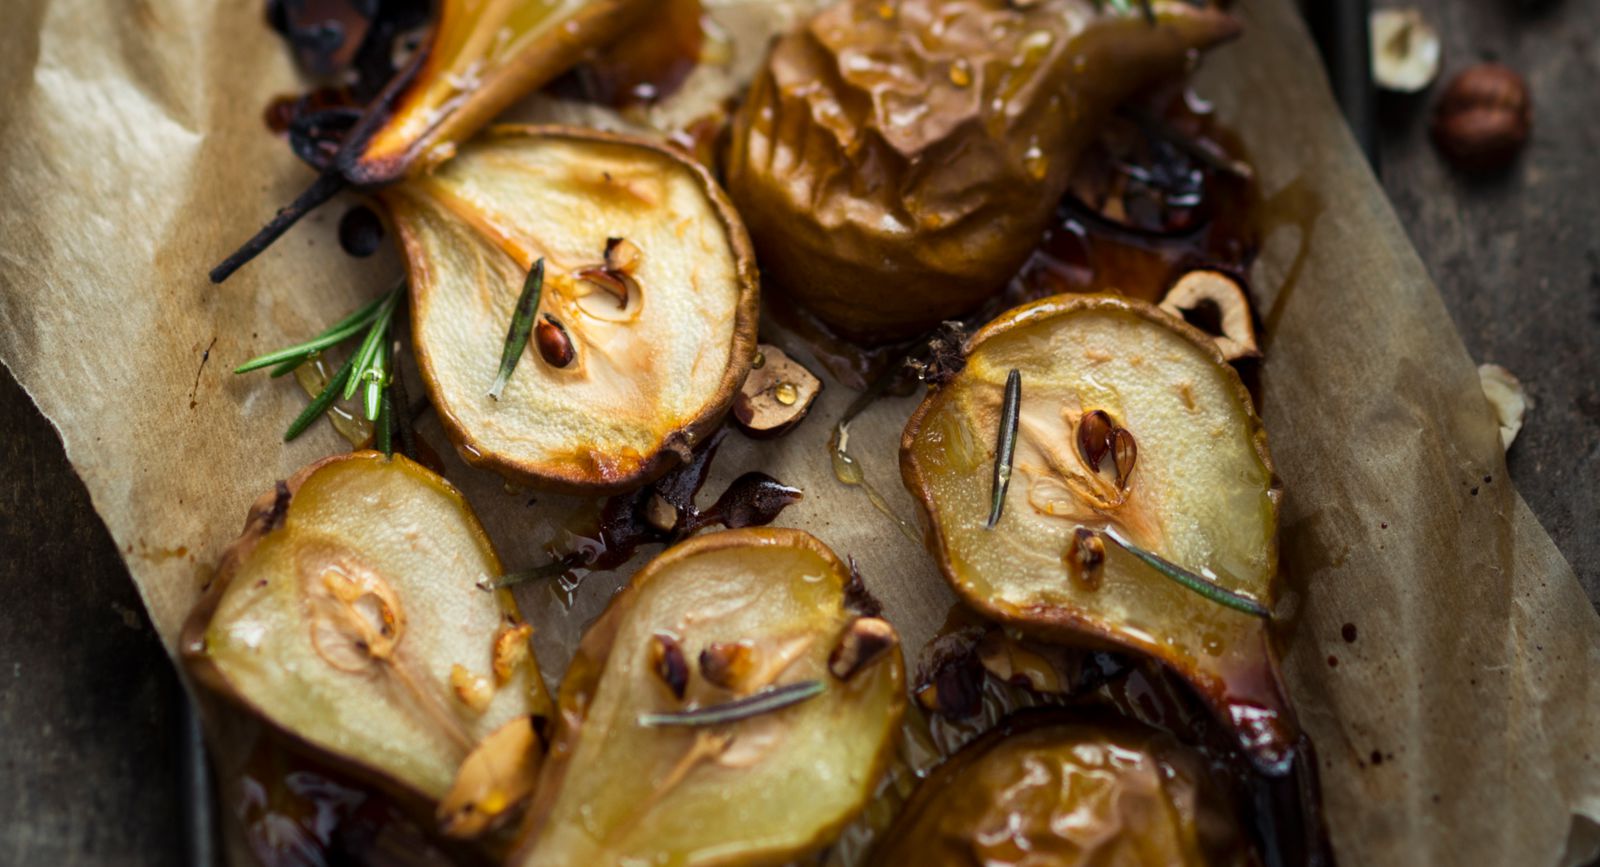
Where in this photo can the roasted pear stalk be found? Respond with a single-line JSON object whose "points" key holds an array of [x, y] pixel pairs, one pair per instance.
{"points": [[1142, 511], [1049, 789], [645, 309], [346, 617], [480, 57], [897, 161], [788, 716]]}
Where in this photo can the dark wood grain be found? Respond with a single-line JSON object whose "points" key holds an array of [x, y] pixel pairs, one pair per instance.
{"points": [[88, 770], [88, 732], [1517, 256]]}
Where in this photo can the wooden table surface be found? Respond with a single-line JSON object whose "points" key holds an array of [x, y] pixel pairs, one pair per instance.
{"points": [[88, 701]]}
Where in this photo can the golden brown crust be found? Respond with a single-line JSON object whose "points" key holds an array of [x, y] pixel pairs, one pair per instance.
{"points": [[591, 473]]}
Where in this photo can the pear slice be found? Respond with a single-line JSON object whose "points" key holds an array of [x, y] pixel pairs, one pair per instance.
{"points": [[721, 617], [1046, 788], [346, 616], [481, 56], [647, 270], [1191, 482]]}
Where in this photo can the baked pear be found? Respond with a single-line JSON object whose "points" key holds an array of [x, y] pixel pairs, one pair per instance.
{"points": [[897, 161], [646, 321], [480, 57], [346, 617], [710, 628], [1051, 789], [1133, 436]]}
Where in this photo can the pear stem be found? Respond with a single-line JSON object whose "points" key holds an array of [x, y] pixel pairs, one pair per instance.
{"points": [[325, 187]]}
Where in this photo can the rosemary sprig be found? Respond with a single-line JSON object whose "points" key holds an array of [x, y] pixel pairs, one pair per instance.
{"points": [[294, 356], [555, 567], [1205, 587], [372, 347], [368, 366], [1006, 447], [521, 325], [321, 402], [763, 702]]}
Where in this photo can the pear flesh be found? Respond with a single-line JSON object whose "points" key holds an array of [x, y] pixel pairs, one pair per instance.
{"points": [[346, 614], [747, 610], [1196, 488], [656, 342]]}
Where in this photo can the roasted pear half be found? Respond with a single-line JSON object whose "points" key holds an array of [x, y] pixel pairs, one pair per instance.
{"points": [[645, 321], [729, 707], [346, 616], [480, 57], [897, 162], [1043, 789], [1130, 427]]}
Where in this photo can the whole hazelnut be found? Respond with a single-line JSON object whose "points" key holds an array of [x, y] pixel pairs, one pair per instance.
{"points": [[1484, 118]]}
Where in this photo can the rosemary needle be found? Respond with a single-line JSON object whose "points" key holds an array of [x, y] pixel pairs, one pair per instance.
{"points": [[377, 333], [1208, 589], [1006, 445], [383, 428], [290, 358], [521, 325], [376, 382], [321, 402], [765, 701], [383, 420], [551, 569]]}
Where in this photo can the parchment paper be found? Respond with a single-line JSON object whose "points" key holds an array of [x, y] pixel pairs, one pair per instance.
{"points": [[1459, 727]]}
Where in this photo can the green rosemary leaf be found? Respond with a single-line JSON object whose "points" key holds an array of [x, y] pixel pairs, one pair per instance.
{"points": [[551, 569], [521, 325], [1203, 586], [292, 357], [377, 332], [1006, 445], [321, 402], [291, 365], [763, 702], [376, 383], [383, 427]]}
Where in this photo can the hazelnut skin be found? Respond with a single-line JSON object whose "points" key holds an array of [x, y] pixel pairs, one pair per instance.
{"points": [[1484, 118]]}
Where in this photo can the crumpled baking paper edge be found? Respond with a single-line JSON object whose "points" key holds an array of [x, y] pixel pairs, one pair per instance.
{"points": [[1456, 728]]}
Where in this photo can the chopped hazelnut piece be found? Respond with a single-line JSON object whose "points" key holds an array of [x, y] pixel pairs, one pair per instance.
{"points": [[493, 782], [865, 641], [510, 651], [776, 395], [473, 690]]}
